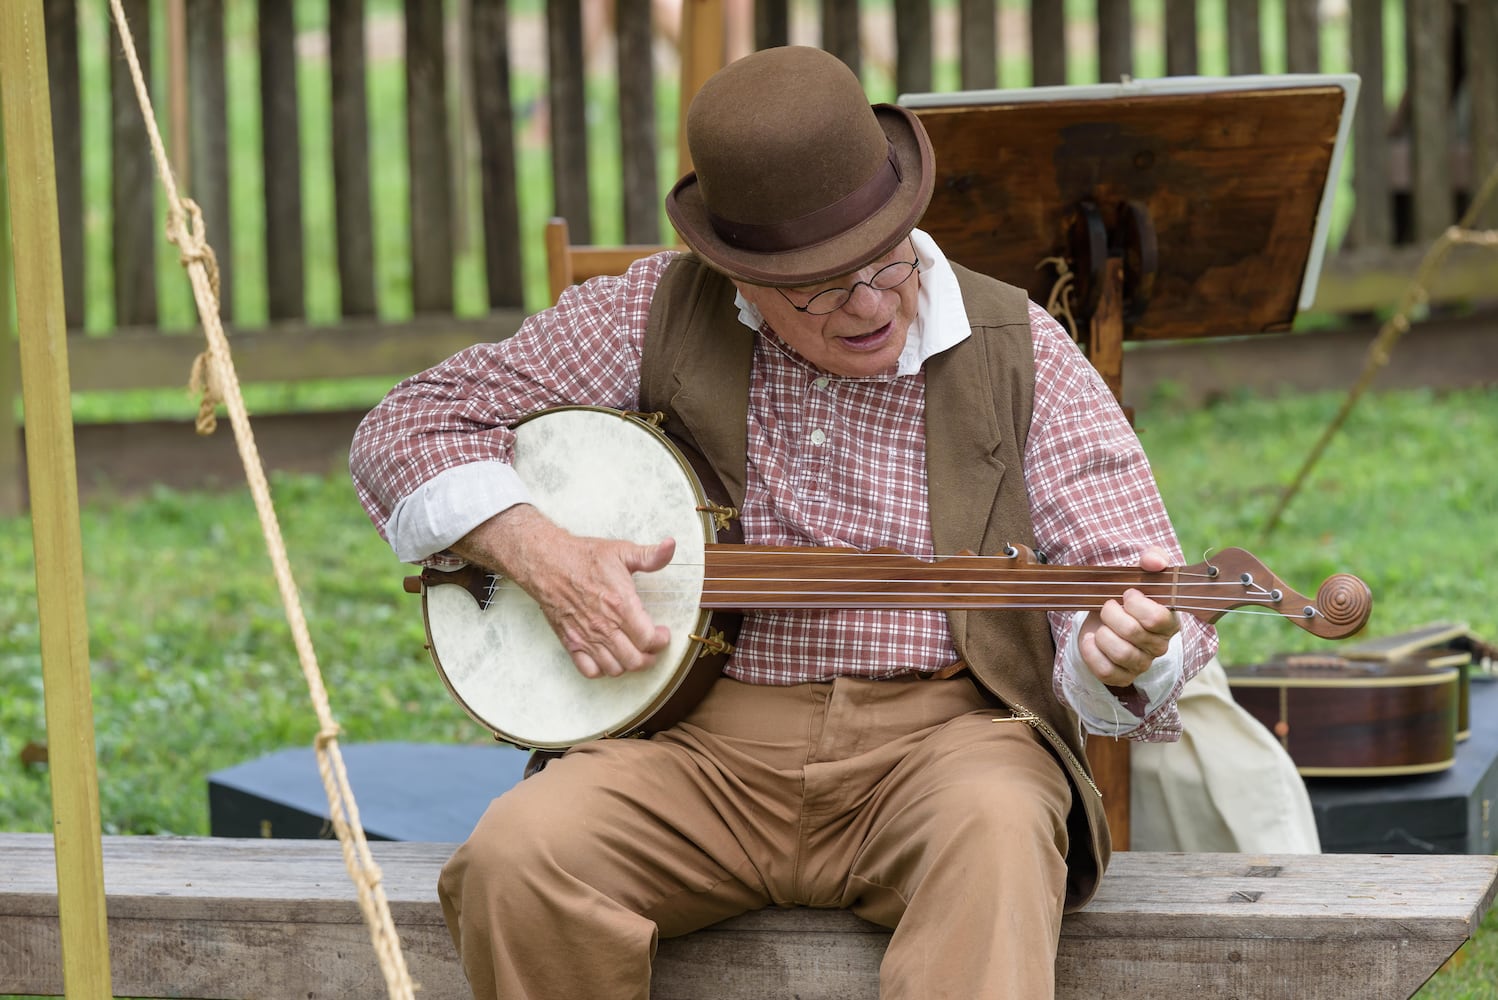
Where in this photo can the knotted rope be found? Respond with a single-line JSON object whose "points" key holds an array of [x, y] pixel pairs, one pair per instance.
{"points": [[214, 376]]}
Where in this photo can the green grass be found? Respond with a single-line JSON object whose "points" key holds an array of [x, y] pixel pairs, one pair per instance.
{"points": [[193, 668]]}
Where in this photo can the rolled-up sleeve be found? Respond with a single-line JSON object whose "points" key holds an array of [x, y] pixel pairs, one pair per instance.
{"points": [[1093, 502], [431, 461]]}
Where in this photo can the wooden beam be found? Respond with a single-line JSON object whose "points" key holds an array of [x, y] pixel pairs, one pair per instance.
{"points": [[1362, 281], [144, 359], [277, 919], [52, 473]]}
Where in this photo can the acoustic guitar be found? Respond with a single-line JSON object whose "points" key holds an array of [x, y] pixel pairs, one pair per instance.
{"points": [[1440, 644], [1339, 717], [604, 473]]}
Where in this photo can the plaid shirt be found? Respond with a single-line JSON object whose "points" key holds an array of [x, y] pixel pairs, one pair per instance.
{"points": [[832, 461]]}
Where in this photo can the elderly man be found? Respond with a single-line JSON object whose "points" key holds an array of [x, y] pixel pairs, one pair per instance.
{"points": [[851, 387]]}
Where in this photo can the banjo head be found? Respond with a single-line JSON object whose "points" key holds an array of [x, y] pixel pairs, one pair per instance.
{"points": [[595, 472]]}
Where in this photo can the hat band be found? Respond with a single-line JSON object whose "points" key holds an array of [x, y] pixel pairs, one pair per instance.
{"points": [[815, 227]]}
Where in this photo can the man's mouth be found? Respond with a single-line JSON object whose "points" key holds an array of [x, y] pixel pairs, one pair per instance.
{"points": [[865, 341]]}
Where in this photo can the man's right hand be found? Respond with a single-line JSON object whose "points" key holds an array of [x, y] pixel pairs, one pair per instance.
{"points": [[584, 586]]}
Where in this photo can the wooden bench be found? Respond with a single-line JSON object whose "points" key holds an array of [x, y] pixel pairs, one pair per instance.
{"points": [[201, 917]]}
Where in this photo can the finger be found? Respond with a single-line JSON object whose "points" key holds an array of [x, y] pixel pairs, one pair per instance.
{"points": [[1154, 559], [1145, 622], [1119, 657], [649, 558], [597, 644], [1099, 663], [585, 663]]}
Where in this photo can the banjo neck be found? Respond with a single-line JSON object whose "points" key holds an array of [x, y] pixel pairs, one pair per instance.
{"points": [[756, 577]]}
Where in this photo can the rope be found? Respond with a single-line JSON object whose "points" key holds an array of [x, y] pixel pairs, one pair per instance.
{"points": [[215, 377], [1381, 349], [1059, 302]]}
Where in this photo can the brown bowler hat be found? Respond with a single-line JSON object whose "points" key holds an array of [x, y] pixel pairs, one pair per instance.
{"points": [[798, 179]]}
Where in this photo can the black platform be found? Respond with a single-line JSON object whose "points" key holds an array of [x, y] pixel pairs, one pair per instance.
{"points": [[430, 792], [1452, 812], [403, 791]]}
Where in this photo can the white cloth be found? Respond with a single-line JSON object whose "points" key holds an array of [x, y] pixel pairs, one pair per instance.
{"points": [[1227, 785]]}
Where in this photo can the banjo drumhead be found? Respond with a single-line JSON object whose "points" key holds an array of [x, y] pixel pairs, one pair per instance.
{"points": [[594, 472]]}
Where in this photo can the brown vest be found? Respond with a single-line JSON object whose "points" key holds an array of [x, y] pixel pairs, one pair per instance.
{"points": [[696, 368]]}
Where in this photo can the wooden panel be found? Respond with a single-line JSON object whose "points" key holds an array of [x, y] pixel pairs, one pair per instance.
{"points": [[1370, 279], [431, 189], [496, 137], [569, 137], [978, 44], [1302, 36], [637, 135], [913, 41], [282, 159], [208, 145], [1115, 40], [277, 918], [1428, 29], [840, 32], [136, 359], [1047, 44], [351, 191], [1180, 38], [1482, 84], [1231, 184], [132, 182], [1372, 222], [67, 150], [1244, 53], [772, 23]]}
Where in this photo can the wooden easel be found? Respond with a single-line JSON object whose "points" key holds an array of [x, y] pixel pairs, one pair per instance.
{"points": [[1171, 209]]}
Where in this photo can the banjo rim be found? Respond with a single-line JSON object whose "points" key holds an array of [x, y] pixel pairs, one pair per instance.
{"points": [[634, 722]]}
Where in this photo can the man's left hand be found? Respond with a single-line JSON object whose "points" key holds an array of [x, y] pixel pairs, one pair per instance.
{"points": [[1122, 640]]}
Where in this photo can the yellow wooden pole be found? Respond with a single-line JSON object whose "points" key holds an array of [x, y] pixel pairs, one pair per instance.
{"points": [[10, 431], [53, 475]]}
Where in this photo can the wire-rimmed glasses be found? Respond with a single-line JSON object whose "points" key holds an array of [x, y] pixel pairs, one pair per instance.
{"points": [[830, 300]]}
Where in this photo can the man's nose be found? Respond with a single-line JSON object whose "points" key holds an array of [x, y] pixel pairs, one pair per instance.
{"points": [[862, 298]]}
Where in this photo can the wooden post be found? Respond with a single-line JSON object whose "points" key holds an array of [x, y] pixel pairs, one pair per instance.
{"points": [[37, 255], [702, 55], [10, 430], [1110, 757]]}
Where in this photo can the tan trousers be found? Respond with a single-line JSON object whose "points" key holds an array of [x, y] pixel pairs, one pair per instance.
{"points": [[902, 801]]}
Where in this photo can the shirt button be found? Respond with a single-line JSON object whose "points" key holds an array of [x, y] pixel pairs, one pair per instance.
{"points": [[817, 437], [820, 383]]}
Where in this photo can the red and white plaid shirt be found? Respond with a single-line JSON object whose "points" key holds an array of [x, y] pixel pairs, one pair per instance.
{"points": [[832, 461]]}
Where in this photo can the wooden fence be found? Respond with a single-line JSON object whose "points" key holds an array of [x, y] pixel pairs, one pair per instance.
{"points": [[487, 90]]}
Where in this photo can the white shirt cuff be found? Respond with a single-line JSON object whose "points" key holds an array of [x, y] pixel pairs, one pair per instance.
{"points": [[445, 508], [1098, 705]]}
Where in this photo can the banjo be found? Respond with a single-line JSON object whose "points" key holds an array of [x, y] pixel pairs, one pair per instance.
{"points": [[610, 474]]}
